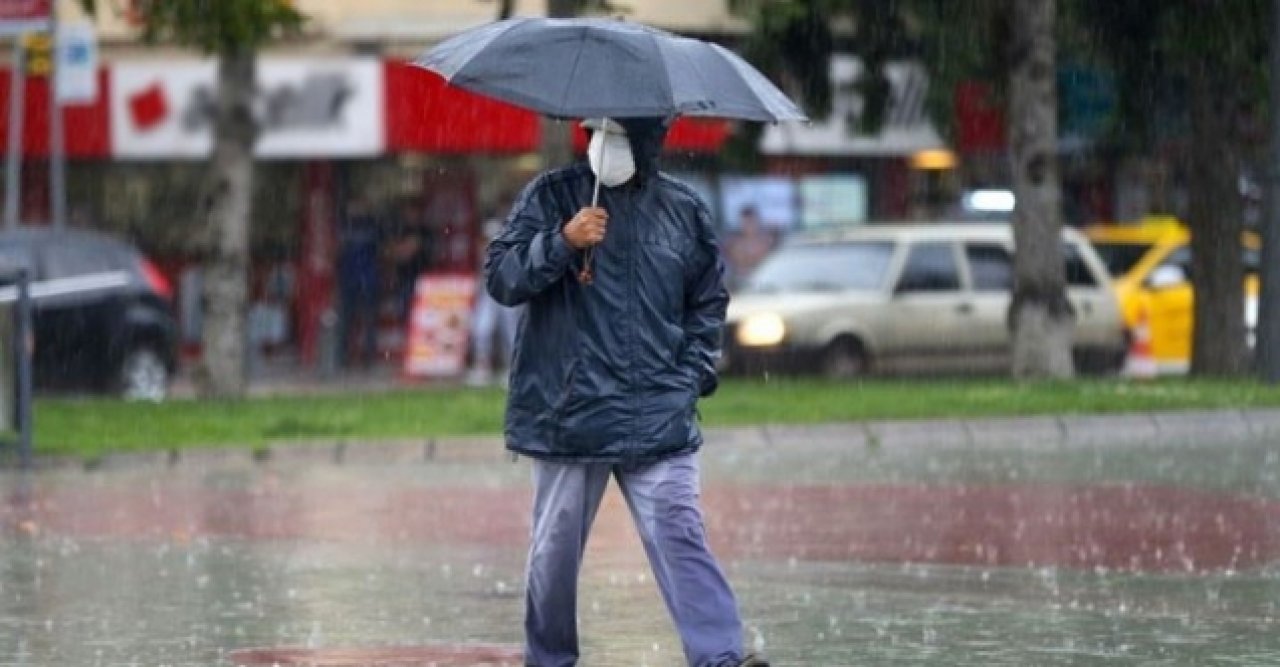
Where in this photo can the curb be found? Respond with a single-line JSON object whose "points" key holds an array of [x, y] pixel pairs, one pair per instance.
{"points": [[1044, 433]]}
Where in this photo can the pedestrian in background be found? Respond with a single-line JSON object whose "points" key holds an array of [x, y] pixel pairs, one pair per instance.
{"points": [[610, 362], [748, 245], [359, 274], [493, 329], [411, 255]]}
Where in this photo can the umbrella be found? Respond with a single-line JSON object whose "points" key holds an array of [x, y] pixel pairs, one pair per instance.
{"points": [[606, 68], [597, 68]]}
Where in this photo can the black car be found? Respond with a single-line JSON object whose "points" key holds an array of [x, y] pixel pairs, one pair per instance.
{"points": [[104, 318]]}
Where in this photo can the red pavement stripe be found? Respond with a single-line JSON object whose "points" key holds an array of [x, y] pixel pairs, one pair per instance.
{"points": [[1135, 527]]}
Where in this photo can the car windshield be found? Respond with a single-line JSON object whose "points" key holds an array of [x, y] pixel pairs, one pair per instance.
{"points": [[1121, 257], [844, 266]]}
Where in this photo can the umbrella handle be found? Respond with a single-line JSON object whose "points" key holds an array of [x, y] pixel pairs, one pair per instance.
{"points": [[585, 275]]}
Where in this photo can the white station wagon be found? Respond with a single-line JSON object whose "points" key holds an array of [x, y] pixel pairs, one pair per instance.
{"points": [[907, 298]]}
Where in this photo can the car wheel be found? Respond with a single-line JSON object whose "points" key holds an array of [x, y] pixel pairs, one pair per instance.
{"points": [[143, 375], [844, 359]]}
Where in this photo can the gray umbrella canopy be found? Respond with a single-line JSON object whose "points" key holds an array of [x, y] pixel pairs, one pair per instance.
{"points": [[605, 68]]}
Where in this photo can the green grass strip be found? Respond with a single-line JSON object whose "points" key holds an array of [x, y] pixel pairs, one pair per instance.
{"points": [[92, 427]]}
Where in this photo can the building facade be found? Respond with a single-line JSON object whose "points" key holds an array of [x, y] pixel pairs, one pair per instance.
{"points": [[347, 119]]}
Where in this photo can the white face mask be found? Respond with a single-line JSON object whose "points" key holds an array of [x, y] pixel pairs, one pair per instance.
{"points": [[611, 160]]}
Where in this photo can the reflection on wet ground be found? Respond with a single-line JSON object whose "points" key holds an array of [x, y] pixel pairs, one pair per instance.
{"points": [[840, 556]]}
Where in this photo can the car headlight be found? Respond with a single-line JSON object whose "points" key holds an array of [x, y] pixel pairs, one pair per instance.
{"points": [[762, 330]]}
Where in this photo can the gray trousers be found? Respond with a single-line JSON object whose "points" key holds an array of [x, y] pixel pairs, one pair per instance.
{"points": [[663, 498]]}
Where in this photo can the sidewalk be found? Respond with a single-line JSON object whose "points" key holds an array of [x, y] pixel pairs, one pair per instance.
{"points": [[906, 548], [1142, 538]]}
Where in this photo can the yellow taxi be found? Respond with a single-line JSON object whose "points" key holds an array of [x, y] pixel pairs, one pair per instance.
{"points": [[1150, 264]]}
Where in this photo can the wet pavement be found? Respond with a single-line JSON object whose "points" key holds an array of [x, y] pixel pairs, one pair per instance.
{"points": [[983, 554]]}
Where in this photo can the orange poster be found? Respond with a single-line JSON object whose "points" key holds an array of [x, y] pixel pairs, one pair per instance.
{"points": [[439, 326]]}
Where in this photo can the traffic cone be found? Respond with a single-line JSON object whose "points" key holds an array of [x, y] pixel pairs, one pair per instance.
{"points": [[1140, 362]]}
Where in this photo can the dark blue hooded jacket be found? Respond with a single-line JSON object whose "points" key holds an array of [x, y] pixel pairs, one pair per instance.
{"points": [[611, 371]]}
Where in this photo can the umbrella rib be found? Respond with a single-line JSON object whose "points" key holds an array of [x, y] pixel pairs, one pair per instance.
{"points": [[573, 71], [690, 65], [471, 50], [772, 106], [671, 90]]}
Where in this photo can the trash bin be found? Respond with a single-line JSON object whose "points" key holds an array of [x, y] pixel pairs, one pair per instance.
{"points": [[16, 346]]}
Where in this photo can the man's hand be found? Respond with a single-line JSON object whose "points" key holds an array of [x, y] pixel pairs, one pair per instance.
{"points": [[586, 228]]}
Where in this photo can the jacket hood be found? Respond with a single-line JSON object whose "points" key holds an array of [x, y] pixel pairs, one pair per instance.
{"points": [[646, 136]]}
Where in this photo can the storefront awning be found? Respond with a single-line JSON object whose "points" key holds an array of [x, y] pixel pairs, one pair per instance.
{"points": [[323, 108], [426, 115]]}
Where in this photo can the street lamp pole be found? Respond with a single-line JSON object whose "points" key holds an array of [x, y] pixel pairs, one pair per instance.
{"points": [[57, 133], [13, 163]]}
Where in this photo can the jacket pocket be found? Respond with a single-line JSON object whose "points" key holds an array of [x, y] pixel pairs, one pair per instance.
{"points": [[566, 390], [694, 378], [663, 268]]}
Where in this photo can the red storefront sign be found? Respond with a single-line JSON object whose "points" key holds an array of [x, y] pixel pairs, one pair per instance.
{"points": [[88, 127], [424, 114]]}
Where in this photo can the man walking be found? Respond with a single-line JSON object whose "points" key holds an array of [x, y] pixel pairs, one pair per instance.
{"points": [[625, 304]]}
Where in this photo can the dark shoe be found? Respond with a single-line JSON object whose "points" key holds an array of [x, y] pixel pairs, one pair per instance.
{"points": [[753, 661]]}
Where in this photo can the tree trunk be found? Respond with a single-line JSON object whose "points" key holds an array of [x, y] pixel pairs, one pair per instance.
{"points": [[1268, 341], [226, 211], [1214, 212], [1039, 313]]}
